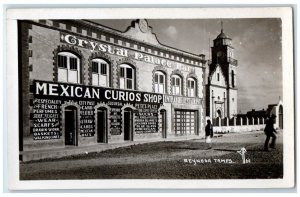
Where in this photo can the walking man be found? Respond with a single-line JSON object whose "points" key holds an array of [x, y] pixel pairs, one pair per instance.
{"points": [[209, 134], [269, 131]]}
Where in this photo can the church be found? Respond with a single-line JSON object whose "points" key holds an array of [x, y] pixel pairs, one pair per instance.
{"points": [[221, 87]]}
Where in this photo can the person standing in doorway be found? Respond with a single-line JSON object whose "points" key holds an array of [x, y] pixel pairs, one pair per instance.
{"points": [[209, 134], [269, 131]]}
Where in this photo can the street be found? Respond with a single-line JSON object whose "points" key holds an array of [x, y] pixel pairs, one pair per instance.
{"points": [[189, 159]]}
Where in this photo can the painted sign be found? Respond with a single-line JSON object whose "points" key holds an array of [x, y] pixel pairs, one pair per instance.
{"points": [[94, 46], [71, 91], [115, 120], [182, 100], [45, 118], [87, 120], [49, 99], [146, 118]]}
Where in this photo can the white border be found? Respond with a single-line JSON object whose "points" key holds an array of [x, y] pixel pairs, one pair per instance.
{"points": [[121, 13]]}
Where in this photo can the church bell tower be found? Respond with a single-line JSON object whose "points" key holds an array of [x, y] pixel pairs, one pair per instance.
{"points": [[221, 88]]}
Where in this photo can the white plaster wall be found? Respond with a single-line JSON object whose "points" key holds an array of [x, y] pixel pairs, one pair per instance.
{"points": [[214, 77]]}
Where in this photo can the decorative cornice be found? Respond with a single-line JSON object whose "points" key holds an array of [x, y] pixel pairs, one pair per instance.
{"points": [[98, 29]]}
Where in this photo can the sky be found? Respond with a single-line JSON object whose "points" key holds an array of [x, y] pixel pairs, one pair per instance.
{"points": [[257, 45]]}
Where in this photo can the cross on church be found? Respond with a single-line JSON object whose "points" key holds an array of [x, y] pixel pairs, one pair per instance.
{"points": [[222, 26]]}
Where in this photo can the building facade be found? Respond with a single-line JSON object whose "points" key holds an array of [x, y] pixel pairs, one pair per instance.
{"points": [[82, 83], [221, 88]]}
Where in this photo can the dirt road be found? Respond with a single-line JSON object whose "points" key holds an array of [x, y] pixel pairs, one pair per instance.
{"points": [[164, 160]]}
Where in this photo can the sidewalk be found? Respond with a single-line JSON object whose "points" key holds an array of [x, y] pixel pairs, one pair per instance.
{"points": [[75, 150]]}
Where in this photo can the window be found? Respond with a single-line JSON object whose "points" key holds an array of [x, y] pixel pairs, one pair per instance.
{"points": [[103, 69], [127, 77], [232, 78], [176, 82], [218, 76], [191, 87], [159, 82], [95, 68], [68, 67], [100, 74], [73, 63]]}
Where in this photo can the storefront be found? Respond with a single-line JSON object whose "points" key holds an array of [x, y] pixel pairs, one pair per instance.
{"points": [[83, 83]]}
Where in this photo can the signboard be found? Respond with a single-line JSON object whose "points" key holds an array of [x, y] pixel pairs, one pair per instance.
{"points": [[49, 97], [45, 118], [87, 120], [146, 118], [65, 91], [182, 100], [115, 121], [94, 46]]}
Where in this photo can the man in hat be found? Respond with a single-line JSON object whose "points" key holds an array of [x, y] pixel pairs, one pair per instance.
{"points": [[269, 131]]}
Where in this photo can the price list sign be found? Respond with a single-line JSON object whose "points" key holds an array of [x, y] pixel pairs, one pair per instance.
{"points": [[146, 118], [87, 120], [45, 116], [115, 121]]}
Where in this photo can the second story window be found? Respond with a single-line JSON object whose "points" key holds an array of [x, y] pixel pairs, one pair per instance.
{"points": [[159, 82], [127, 77], [191, 87], [176, 83], [100, 73], [68, 67], [232, 78]]}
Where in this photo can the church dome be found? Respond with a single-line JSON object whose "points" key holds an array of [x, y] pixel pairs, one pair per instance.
{"points": [[222, 35]]}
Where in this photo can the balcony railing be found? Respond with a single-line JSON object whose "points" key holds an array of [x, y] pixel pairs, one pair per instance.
{"points": [[232, 61]]}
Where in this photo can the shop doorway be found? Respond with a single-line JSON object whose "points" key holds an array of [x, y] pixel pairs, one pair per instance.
{"points": [[102, 125], [219, 113], [128, 124], [185, 122], [162, 123], [71, 125]]}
